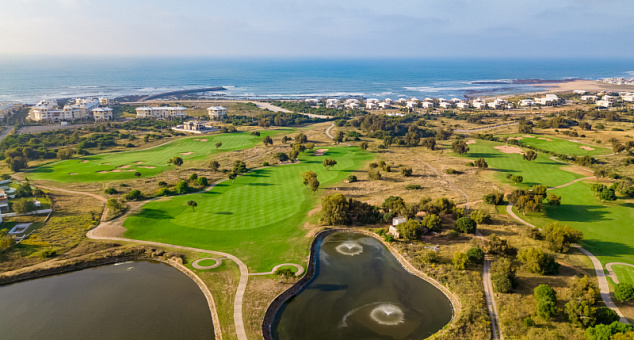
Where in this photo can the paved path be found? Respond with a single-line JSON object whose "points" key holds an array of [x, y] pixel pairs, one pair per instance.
{"points": [[328, 131], [300, 269], [611, 273], [218, 262], [573, 182]]}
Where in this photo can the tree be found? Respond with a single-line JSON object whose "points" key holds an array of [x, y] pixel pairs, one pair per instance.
{"points": [[192, 204], [429, 143], [503, 275], [412, 138], [605, 316], [232, 176], [17, 163], [475, 255], [393, 203], [607, 195], [432, 222], [110, 191], [285, 139], [301, 138], [181, 187], [218, 145], [329, 163], [363, 145], [116, 207], [334, 209], [480, 217], [6, 240], [134, 195], [313, 183], [239, 167], [624, 292], [536, 261], [560, 237], [459, 146], [466, 225], [481, 163], [137, 174], [213, 165], [267, 141], [177, 161], [410, 230], [580, 313], [284, 273], [352, 178], [282, 157], [193, 177], [494, 198], [338, 137], [546, 298], [525, 127], [306, 176], [529, 155], [583, 288], [374, 175], [23, 206], [65, 153], [460, 260], [406, 172], [554, 200], [387, 141], [202, 181], [496, 245]]}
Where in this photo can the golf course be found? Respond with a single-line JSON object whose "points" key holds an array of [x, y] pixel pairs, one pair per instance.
{"points": [[149, 162], [258, 217]]}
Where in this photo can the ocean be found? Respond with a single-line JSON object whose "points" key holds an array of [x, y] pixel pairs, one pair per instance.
{"points": [[30, 79]]}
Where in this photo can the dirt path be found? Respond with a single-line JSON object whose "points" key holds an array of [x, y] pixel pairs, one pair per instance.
{"points": [[328, 131], [484, 128]]}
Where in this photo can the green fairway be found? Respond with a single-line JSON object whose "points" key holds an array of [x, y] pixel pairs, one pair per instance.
{"points": [[258, 217], [607, 227], [150, 162], [563, 146], [624, 273], [539, 171]]}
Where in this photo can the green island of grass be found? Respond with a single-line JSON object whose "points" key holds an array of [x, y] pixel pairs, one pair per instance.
{"points": [[562, 146], [258, 217]]}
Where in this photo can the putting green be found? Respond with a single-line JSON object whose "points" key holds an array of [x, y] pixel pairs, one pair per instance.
{"points": [[539, 171], [562, 146], [149, 162], [607, 227], [257, 217]]}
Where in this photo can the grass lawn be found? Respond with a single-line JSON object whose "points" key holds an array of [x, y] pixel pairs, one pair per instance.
{"points": [[540, 171], [258, 217], [563, 146], [150, 162], [607, 227]]}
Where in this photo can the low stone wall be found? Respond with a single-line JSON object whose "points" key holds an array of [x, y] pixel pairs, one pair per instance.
{"points": [[275, 305]]}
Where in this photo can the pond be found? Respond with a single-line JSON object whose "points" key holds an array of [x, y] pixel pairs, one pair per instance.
{"points": [[130, 300], [361, 291]]}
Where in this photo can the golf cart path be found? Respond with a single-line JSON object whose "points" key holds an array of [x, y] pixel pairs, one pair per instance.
{"points": [[300, 269], [611, 273]]}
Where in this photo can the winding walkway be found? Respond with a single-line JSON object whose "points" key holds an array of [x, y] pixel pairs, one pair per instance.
{"points": [[604, 287]]}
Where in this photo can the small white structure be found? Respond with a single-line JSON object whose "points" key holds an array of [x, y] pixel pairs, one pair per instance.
{"points": [[456, 100], [372, 100], [493, 105], [444, 105], [384, 106], [393, 230], [428, 105], [411, 104], [371, 106], [352, 101], [527, 102], [332, 105], [628, 97], [401, 101], [161, 112], [217, 112], [442, 100], [352, 105], [579, 91], [4, 201], [193, 126], [462, 105], [414, 99], [604, 103], [610, 98], [589, 98], [549, 99], [388, 101], [479, 105], [102, 113]]}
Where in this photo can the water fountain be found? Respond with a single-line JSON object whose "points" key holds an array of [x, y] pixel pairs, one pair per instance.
{"points": [[388, 314], [350, 248]]}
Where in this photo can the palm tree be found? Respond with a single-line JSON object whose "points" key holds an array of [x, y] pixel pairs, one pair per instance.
{"points": [[192, 204]]}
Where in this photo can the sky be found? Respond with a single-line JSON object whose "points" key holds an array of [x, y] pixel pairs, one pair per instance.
{"points": [[319, 28]]}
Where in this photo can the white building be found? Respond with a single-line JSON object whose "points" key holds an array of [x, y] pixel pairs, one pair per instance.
{"points": [[161, 112], [372, 100], [428, 105], [401, 101], [48, 110], [579, 91], [456, 100], [388, 101], [384, 106], [462, 105], [444, 105], [604, 103], [216, 112], [414, 99], [494, 105], [549, 99], [589, 98], [352, 101], [103, 101], [371, 106], [527, 102], [102, 113], [411, 105], [610, 98], [480, 105], [393, 229], [332, 105], [352, 105], [628, 97]]}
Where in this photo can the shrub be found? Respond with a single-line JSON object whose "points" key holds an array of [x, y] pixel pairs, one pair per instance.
{"points": [[202, 181], [481, 217], [605, 316], [266, 164], [546, 299], [410, 230], [503, 275], [475, 255], [560, 237], [432, 222], [466, 225], [494, 198], [162, 184], [110, 191], [536, 261], [451, 171], [624, 292], [428, 256], [460, 261], [163, 192], [134, 195], [352, 178], [406, 172], [48, 253], [413, 187], [374, 175]]}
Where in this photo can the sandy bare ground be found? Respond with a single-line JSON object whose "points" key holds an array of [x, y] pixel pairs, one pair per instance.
{"points": [[528, 136], [73, 173], [187, 153], [320, 152], [586, 148], [508, 149], [124, 166], [546, 139], [471, 141], [588, 85]]}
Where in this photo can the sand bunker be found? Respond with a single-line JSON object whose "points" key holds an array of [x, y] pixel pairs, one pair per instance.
{"points": [[138, 162], [105, 163], [84, 161], [587, 148], [203, 140], [508, 149], [102, 172], [129, 170], [528, 136], [471, 141], [187, 153], [124, 166], [574, 141], [320, 152], [147, 167], [516, 138], [116, 170], [73, 173], [546, 139]]}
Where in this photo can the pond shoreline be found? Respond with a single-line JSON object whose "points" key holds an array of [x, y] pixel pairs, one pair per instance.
{"points": [[279, 300]]}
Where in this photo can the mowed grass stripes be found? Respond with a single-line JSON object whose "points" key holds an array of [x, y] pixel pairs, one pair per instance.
{"points": [[563, 146], [258, 217], [150, 162]]}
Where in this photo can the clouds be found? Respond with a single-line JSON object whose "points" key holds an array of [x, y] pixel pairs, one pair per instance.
{"points": [[349, 28]]}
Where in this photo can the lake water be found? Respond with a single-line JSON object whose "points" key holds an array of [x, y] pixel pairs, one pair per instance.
{"points": [[134, 300], [361, 291]]}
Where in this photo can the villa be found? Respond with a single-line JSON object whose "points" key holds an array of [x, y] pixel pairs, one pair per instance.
{"points": [[384, 106], [549, 99], [48, 110], [372, 100], [352, 105], [193, 126], [527, 102], [102, 113], [628, 97], [414, 99], [103, 101], [393, 230], [462, 105], [589, 98], [444, 105], [411, 104], [479, 105], [161, 112], [217, 112], [388, 101], [371, 106], [604, 103], [401, 101], [610, 98]]}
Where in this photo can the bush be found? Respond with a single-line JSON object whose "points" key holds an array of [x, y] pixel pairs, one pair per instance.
{"points": [[374, 175], [163, 192], [560, 237], [202, 181], [407, 172], [162, 184], [494, 198], [481, 217], [536, 261], [266, 164], [451, 171], [605, 316], [110, 191], [134, 195], [460, 261], [475, 255], [466, 225], [428, 256], [410, 230], [546, 299], [48, 253], [352, 178], [413, 187], [624, 292], [503, 275], [432, 222], [605, 332]]}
